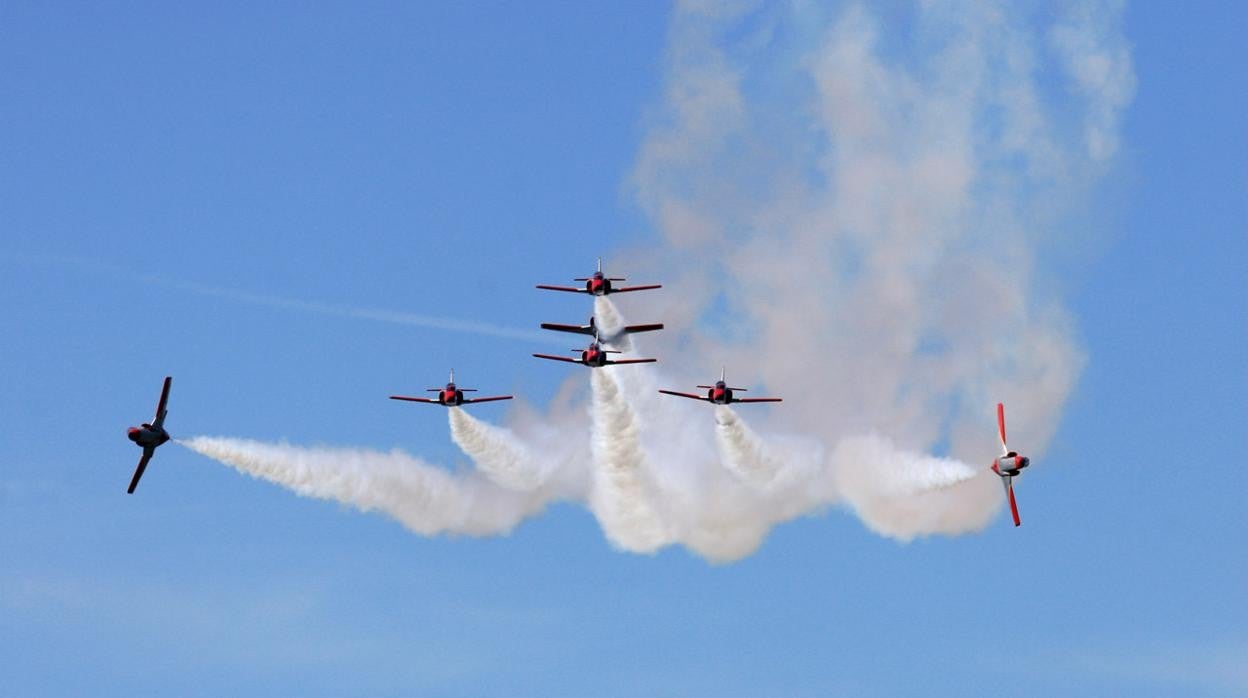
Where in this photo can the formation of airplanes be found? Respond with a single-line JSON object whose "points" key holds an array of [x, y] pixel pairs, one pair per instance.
{"points": [[150, 436]]}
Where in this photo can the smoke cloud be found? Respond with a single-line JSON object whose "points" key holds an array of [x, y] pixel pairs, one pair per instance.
{"points": [[849, 215]]}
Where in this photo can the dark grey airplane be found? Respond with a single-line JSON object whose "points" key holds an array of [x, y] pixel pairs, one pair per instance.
{"points": [[149, 436]]}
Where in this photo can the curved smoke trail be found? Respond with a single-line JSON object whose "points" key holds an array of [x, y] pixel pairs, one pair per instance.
{"points": [[621, 498], [498, 453], [425, 499]]}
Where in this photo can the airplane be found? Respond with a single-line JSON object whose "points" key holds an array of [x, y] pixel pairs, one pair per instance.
{"points": [[149, 436], [720, 393], [599, 284], [1008, 464], [594, 356], [592, 328], [450, 395]]}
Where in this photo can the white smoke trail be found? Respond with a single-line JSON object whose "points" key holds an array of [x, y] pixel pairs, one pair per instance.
{"points": [[621, 498], [425, 499], [498, 453]]}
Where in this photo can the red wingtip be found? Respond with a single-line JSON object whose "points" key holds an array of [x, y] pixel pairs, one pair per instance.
{"points": [[1014, 506], [1001, 421]]}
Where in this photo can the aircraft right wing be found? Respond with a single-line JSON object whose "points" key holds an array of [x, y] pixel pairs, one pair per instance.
{"points": [[557, 358], [413, 399], [569, 289], [487, 399], [574, 329], [633, 329], [138, 472], [757, 399], [691, 396], [1008, 482], [626, 289], [161, 406]]}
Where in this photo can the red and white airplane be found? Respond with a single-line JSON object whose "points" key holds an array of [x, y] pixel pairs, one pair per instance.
{"points": [[594, 356], [720, 393], [592, 329], [450, 395], [1008, 464], [599, 284], [150, 436]]}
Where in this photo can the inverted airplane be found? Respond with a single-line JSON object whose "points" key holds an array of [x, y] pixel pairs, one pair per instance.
{"points": [[594, 356], [150, 436], [592, 328], [1008, 464], [720, 393], [450, 395], [599, 284]]}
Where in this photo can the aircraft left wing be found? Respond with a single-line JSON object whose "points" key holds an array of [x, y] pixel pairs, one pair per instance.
{"points": [[1008, 482], [413, 399], [487, 399], [574, 329], [691, 396], [138, 472], [557, 358], [626, 289], [569, 289], [611, 362], [632, 329], [161, 406], [757, 399]]}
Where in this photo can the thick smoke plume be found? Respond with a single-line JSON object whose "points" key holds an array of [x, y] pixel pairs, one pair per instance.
{"points": [[851, 216], [426, 499], [498, 453]]}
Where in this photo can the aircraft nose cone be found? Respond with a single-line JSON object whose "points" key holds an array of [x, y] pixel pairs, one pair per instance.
{"points": [[132, 434]]}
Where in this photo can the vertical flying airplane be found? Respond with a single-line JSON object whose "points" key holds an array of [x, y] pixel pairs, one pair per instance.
{"points": [[594, 356], [450, 395], [720, 393], [1008, 464], [149, 436], [599, 284]]}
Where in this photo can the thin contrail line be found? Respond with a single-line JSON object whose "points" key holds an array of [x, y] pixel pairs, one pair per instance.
{"points": [[393, 317]]}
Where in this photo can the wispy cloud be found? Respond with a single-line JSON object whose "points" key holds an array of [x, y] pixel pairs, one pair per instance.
{"points": [[277, 302]]}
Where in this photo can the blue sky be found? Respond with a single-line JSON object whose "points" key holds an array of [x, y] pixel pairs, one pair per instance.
{"points": [[438, 161]]}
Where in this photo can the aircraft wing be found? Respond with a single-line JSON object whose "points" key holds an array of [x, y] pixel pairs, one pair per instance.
{"points": [[138, 472], [488, 399], [569, 289], [757, 399], [691, 396], [161, 406], [626, 289], [1008, 482], [557, 358], [413, 399], [632, 329], [574, 329], [630, 361]]}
